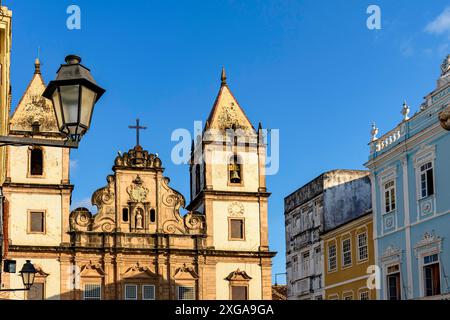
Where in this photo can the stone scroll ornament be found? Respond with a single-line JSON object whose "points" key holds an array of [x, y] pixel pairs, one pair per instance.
{"points": [[444, 118]]}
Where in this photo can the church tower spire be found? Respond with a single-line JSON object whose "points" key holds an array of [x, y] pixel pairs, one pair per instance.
{"points": [[223, 77]]}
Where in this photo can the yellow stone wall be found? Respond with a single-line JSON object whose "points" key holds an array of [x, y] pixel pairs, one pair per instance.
{"points": [[352, 279], [5, 48]]}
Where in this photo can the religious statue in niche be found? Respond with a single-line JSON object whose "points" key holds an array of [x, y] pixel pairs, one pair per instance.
{"points": [[139, 219]]}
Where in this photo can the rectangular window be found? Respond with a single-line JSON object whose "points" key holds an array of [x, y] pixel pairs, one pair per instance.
{"points": [[295, 265], [92, 291], [317, 261], [393, 282], [186, 293], [36, 222], [346, 252], [362, 247], [348, 296], [131, 292], [426, 180], [364, 295], [148, 292], [432, 277], [305, 269], [332, 261], [389, 196], [239, 293], [236, 229]]}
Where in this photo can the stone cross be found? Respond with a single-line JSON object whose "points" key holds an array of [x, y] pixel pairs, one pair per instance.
{"points": [[137, 127]]}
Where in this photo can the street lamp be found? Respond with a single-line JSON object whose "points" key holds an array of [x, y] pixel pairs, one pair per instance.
{"points": [[74, 94], [28, 273]]}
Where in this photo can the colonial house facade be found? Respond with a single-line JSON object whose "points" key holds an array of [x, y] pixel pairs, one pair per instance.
{"points": [[323, 204], [349, 256], [410, 180], [138, 246]]}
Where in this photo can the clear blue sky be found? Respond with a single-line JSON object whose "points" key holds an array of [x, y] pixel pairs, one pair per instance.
{"points": [[309, 68]]}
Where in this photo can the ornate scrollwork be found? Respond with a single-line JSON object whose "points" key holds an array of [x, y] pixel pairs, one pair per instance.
{"points": [[80, 219], [104, 196], [194, 221], [444, 118]]}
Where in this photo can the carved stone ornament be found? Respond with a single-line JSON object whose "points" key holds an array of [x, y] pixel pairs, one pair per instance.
{"points": [[444, 118], [137, 191], [238, 275], [185, 273], [104, 196], [90, 267], [138, 158], [236, 209]]}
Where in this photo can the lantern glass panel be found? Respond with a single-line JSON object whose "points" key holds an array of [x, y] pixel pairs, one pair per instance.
{"points": [[69, 97], [57, 107], [87, 105]]}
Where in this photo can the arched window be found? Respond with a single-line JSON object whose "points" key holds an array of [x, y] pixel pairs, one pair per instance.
{"points": [[235, 169], [36, 162], [197, 179], [152, 216]]}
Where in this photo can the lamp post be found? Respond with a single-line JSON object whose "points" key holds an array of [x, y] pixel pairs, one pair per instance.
{"points": [[74, 94], [27, 274]]}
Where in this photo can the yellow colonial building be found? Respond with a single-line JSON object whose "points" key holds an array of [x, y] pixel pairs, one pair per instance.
{"points": [[349, 252]]}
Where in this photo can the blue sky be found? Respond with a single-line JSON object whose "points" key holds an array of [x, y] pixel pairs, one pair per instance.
{"points": [[309, 68]]}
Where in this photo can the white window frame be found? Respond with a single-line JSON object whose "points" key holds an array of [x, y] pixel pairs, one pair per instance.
{"points": [[344, 239], [97, 285], [130, 286], [144, 286], [392, 194], [426, 154], [426, 247], [424, 173], [386, 176], [193, 292], [364, 233], [364, 291], [329, 244]]}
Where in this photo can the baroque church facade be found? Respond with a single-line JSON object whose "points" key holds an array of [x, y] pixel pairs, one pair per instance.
{"points": [[138, 246]]}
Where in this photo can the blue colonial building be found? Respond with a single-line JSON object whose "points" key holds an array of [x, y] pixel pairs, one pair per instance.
{"points": [[410, 174]]}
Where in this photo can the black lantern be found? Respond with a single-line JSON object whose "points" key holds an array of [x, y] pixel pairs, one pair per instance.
{"points": [[28, 273], [74, 94]]}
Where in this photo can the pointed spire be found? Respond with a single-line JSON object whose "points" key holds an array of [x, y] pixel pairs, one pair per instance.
{"points": [[223, 77]]}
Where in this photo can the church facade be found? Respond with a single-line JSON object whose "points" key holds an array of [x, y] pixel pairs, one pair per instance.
{"points": [[138, 246]]}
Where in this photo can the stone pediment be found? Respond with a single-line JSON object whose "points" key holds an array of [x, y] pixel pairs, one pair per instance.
{"points": [[91, 269], [33, 107], [185, 273], [138, 272], [238, 275]]}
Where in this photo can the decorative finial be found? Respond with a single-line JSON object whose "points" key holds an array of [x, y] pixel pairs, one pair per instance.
{"points": [[223, 77], [405, 111], [374, 132], [37, 66]]}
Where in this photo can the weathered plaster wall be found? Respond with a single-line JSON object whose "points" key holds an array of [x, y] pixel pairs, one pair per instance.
{"points": [[347, 195]]}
